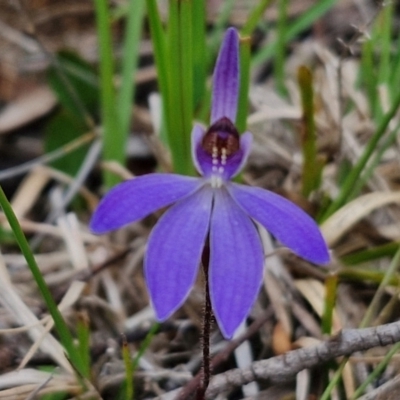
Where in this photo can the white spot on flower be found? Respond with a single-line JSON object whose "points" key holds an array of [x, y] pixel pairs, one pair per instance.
{"points": [[223, 156], [216, 181]]}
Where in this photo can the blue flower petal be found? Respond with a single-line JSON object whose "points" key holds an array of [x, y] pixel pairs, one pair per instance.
{"points": [[236, 263], [132, 200], [287, 222], [226, 79], [174, 251]]}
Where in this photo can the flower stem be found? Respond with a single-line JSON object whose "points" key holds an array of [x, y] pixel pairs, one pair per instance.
{"points": [[207, 320]]}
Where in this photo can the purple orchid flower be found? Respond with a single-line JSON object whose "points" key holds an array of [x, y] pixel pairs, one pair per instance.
{"points": [[211, 207]]}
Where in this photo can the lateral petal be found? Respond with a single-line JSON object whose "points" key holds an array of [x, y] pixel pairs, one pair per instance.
{"points": [[237, 162], [132, 200], [226, 79], [200, 159], [174, 251], [287, 222], [236, 263]]}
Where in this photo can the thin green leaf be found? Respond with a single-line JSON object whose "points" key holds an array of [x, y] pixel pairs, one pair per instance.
{"points": [[60, 325], [126, 355], [83, 333], [129, 63], [384, 26], [62, 129], [356, 171], [377, 371], [312, 166], [296, 27], [334, 380], [371, 254], [174, 117], [145, 344], [331, 283], [143, 347], [368, 73], [180, 84], [371, 312], [114, 140], [158, 37], [199, 52], [395, 70], [280, 49], [187, 78], [77, 87], [373, 306], [254, 17], [363, 275], [371, 166], [243, 103]]}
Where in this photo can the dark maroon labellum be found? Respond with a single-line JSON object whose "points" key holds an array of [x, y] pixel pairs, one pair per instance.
{"points": [[221, 138]]}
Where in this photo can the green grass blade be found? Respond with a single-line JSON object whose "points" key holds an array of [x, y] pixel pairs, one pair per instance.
{"points": [[388, 275], [374, 253], [363, 275], [377, 371], [187, 78], [199, 52], [83, 333], [145, 344], [255, 15], [126, 355], [175, 65], [129, 63], [180, 80], [395, 74], [384, 23], [60, 325], [356, 171], [312, 166], [280, 49], [296, 27], [128, 389], [369, 315], [243, 103], [331, 283], [173, 115], [368, 74], [334, 380], [158, 38], [62, 129], [114, 140], [370, 168], [76, 85]]}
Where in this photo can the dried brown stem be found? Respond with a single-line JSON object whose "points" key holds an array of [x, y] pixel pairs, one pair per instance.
{"points": [[284, 368], [207, 317], [188, 390]]}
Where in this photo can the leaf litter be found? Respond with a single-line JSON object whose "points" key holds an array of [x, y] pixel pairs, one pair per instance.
{"points": [[102, 276]]}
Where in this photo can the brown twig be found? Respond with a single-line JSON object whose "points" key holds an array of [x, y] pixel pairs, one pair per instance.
{"points": [[87, 274], [284, 368]]}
